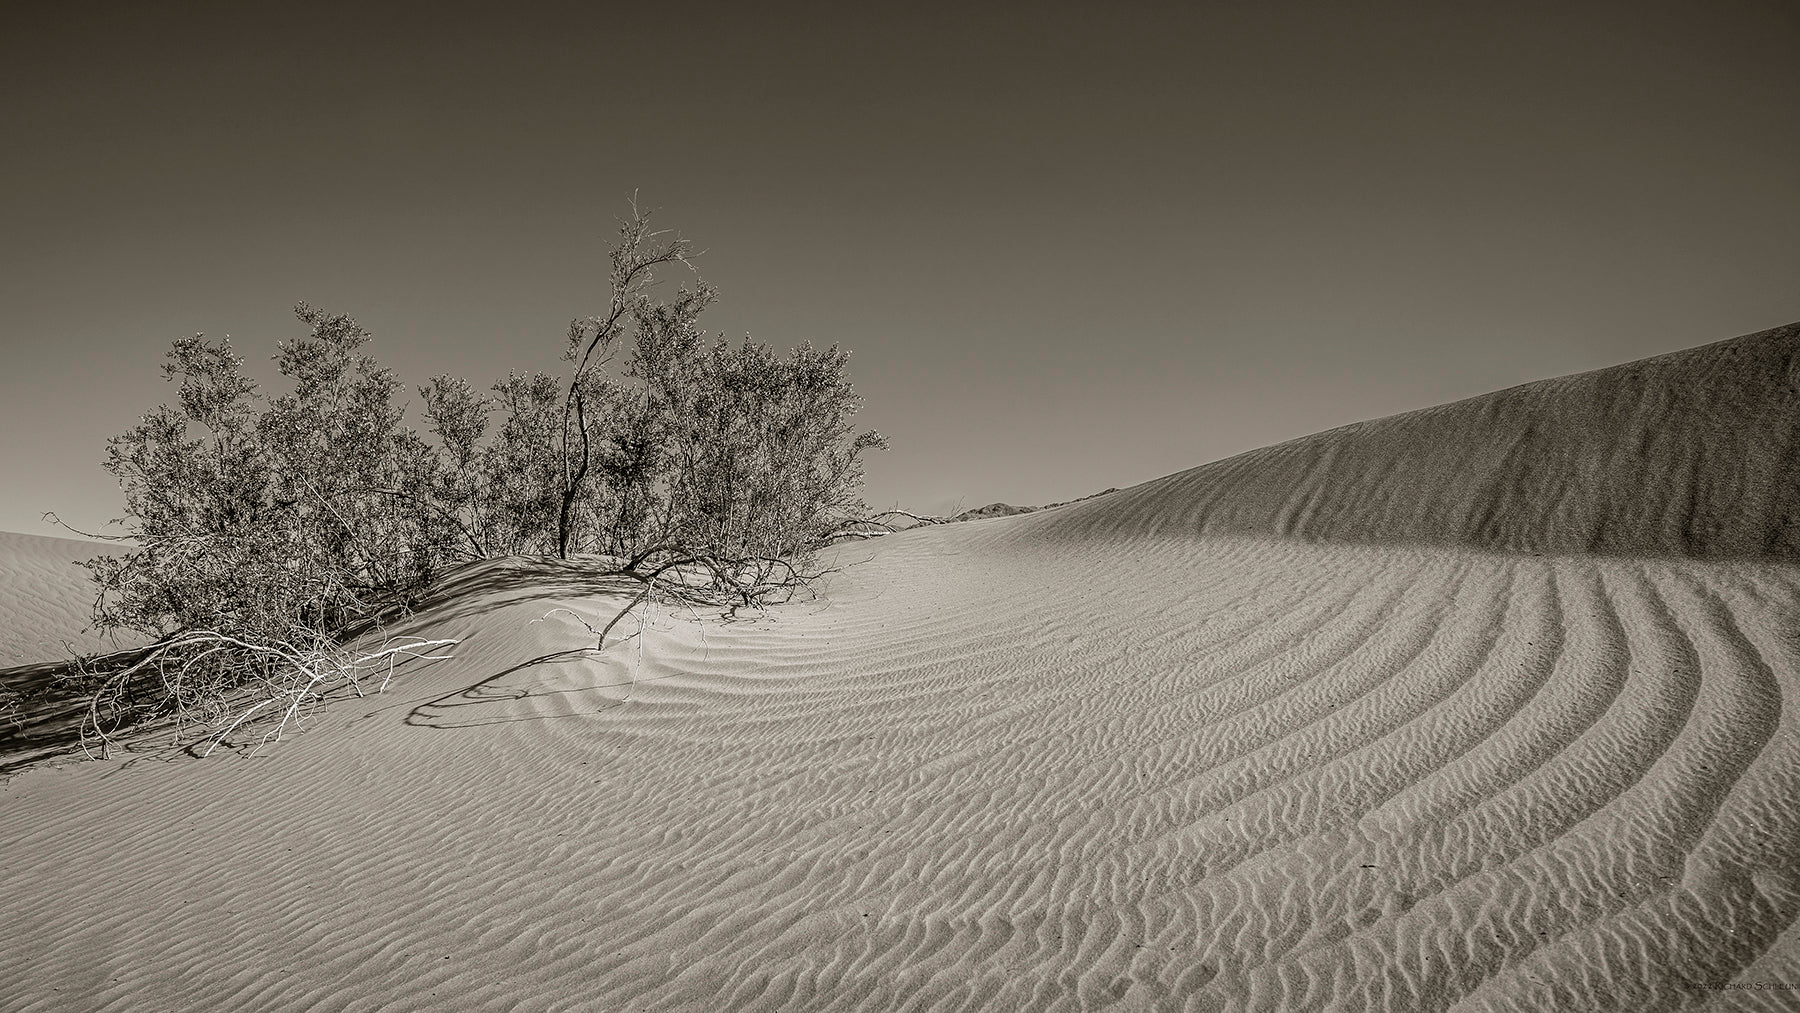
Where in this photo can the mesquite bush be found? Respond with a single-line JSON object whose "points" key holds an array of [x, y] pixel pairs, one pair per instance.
{"points": [[262, 532]]}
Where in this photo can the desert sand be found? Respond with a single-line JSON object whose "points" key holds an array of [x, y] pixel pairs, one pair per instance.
{"points": [[46, 599], [1481, 707]]}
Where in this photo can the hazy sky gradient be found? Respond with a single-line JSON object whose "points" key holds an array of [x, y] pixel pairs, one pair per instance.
{"points": [[1071, 248]]}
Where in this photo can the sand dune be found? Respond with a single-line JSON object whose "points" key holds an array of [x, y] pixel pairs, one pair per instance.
{"points": [[1691, 453], [45, 598], [1145, 752]]}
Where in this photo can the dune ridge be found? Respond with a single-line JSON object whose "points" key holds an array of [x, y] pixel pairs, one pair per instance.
{"points": [[1120, 755], [1690, 453]]}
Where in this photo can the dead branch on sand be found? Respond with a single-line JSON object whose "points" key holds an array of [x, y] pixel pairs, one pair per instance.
{"points": [[875, 526], [209, 678], [699, 578], [689, 578]]}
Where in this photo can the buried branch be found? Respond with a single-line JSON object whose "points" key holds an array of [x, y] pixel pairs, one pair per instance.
{"points": [[699, 579]]}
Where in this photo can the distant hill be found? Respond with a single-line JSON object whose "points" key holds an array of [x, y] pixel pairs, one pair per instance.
{"points": [[992, 510], [1008, 510]]}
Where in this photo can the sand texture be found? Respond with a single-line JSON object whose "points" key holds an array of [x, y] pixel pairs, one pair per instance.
{"points": [[1694, 453], [46, 598], [1150, 751]]}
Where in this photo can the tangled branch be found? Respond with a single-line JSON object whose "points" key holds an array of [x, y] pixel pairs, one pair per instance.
{"points": [[682, 575], [210, 678], [876, 525]]}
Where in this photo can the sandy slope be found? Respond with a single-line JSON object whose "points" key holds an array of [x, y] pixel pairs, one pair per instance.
{"points": [[45, 597], [1088, 758], [1692, 453]]}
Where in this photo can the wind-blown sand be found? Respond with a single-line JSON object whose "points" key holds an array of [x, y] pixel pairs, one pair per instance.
{"points": [[1282, 732], [46, 598]]}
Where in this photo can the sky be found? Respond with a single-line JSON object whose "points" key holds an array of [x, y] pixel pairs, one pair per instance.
{"points": [[1072, 246]]}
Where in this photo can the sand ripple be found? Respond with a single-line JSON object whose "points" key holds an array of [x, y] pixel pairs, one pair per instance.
{"points": [[997, 768], [1284, 732]]}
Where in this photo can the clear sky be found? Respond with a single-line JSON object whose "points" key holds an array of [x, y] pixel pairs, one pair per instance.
{"points": [[1076, 246]]}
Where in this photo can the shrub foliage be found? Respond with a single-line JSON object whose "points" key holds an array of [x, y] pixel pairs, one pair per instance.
{"points": [[263, 529]]}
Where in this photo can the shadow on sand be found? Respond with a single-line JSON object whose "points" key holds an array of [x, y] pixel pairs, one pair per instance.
{"points": [[47, 720]]}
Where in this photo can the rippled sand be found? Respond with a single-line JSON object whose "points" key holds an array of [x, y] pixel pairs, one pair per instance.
{"points": [[1101, 757]]}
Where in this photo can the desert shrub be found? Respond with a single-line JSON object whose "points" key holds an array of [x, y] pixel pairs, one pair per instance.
{"points": [[729, 452], [522, 466], [260, 530], [263, 530], [759, 455], [452, 479], [252, 516]]}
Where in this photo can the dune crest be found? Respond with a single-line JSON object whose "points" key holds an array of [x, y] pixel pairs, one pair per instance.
{"points": [[1691, 453]]}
